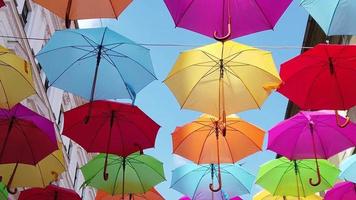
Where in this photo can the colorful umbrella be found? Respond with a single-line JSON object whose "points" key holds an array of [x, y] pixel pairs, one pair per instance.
{"points": [[283, 177], [348, 169], [127, 175], [223, 78], [96, 64], [264, 195], [2, 3], [15, 79], [194, 180], [3, 191], [333, 16], [226, 19], [215, 198], [150, 195], [342, 191], [328, 74], [111, 128], [84, 9], [311, 135], [51, 192]]}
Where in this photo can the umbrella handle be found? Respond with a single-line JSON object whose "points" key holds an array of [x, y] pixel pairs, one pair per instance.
{"points": [[211, 186], [105, 173], [224, 38], [9, 190], [338, 122], [319, 177]]}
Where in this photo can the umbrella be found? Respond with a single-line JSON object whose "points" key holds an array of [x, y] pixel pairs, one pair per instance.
{"points": [[226, 19], [194, 180], [127, 175], [96, 63], [342, 191], [328, 74], [264, 195], [51, 192], [15, 79], [334, 17], [311, 135], [283, 177], [2, 3], [3, 192], [39, 175], [347, 168], [351, 113], [215, 198], [111, 128], [84, 9], [204, 141], [223, 78], [150, 195]]}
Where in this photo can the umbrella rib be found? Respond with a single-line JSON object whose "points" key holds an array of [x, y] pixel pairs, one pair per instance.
{"points": [[149, 166], [116, 177], [228, 146], [231, 57], [248, 191], [280, 180], [7, 65], [29, 144], [139, 179], [96, 135], [201, 64], [301, 182], [250, 65], [340, 91], [346, 136], [64, 47], [201, 178], [190, 134], [203, 145], [183, 14], [321, 143], [321, 175], [307, 67], [7, 100], [113, 9], [211, 57], [264, 14], [121, 136], [40, 170], [312, 85], [233, 129]]}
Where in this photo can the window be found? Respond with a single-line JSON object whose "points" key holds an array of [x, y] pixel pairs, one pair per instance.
{"points": [[24, 13]]}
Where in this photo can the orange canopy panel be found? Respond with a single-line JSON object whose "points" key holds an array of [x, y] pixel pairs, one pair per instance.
{"points": [[150, 195], [85, 9]]}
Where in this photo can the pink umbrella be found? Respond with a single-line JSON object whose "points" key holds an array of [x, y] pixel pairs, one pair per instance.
{"points": [[226, 19], [311, 135], [187, 198], [342, 191]]}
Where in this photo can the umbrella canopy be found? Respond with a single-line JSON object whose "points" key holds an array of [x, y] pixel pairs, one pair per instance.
{"points": [[25, 136], [126, 175], [194, 180], [223, 78], [49, 193], [229, 18], [39, 175], [347, 168], [215, 198], [3, 191], [16, 81], [283, 177], [333, 16], [342, 191], [2, 3], [264, 195], [85, 9], [96, 64], [152, 194]]}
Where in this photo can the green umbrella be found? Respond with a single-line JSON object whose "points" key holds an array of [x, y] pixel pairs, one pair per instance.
{"points": [[3, 192], [291, 178], [133, 174]]}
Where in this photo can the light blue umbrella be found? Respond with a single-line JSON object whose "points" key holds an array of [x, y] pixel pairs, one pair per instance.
{"points": [[335, 17], [348, 169], [194, 180], [96, 64]]}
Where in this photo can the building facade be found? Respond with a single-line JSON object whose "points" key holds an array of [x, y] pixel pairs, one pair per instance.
{"points": [[24, 28]]}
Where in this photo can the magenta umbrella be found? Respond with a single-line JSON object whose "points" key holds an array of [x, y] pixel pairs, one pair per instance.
{"points": [[311, 135], [342, 191], [198, 198], [226, 19]]}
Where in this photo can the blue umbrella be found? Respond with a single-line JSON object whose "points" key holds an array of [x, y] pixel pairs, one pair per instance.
{"points": [[348, 169], [96, 64], [335, 17], [194, 180]]}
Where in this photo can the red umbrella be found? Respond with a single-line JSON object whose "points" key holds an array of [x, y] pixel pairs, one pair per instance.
{"points": [[111, 128], [2, 3], [49, 193], [322, 78]]}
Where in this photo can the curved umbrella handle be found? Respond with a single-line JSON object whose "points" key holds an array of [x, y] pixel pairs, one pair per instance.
{"points": [[319, 178], [224, 38], [338, 122], [9, 190], [211, 186], [105, 173]]}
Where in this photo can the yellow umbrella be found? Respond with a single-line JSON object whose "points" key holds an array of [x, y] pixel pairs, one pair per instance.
{"points": [[15, 79], [223, 78], [264, 195]]}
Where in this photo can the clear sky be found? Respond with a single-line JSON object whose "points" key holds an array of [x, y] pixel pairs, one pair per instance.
{"points": [[148, 21]]}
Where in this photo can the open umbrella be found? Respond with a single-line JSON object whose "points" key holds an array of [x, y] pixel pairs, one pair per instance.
{"points": [[16, 81], [226, 19], [311, 135], [51, 192], [111, 128], [348, 169], [223, 78], [215, 198], [284, 177], [2, 3], [96, 63], [328, 74], [136, 173], [3, 191], [264, 195], [194, 180], [333, 16], [85, 9], [342, 191], [206, 140], [152, 194]]}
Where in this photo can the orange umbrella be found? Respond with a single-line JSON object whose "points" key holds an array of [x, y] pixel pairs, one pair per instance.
{"points": [[210, 141], [85, 9], [150, 195]]}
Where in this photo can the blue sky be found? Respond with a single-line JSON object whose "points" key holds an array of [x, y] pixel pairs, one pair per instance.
{"points": [[148, 21]]}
